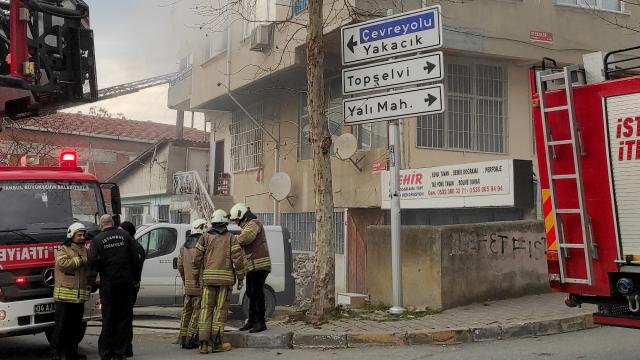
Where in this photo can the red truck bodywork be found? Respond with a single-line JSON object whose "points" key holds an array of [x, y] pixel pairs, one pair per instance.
{"points": [[590, 114]]}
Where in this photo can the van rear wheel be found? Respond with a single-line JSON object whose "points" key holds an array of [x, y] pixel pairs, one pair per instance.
{"points": [[269, 302]]}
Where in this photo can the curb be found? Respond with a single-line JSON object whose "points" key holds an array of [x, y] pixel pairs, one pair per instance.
{"points": [[282, 339]]}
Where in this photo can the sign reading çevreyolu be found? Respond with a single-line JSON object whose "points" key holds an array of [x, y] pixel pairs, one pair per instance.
{"points": [[392, 35], [487, 183]]}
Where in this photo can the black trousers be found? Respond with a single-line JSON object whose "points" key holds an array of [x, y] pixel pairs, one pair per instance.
{"points": [[255, 293], [134, 298], [117, 309], [66, 334]]}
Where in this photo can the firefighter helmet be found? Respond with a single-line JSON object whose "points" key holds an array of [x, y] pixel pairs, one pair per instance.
{"points": [[74, 228], [238, 211], [199, 226], [220, 217]]}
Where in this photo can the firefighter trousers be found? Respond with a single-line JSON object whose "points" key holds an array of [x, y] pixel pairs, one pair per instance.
{"points": [[117, 309], [214, 308], [189, 319], [255, 293], [67, 332]]}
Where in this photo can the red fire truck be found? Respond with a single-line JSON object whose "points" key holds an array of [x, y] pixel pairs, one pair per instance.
{"points": [[587, 131], [38, 204]]}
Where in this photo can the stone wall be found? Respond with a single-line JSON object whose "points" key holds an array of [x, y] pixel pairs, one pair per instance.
{"points": [[448, 266], [303, 264]]}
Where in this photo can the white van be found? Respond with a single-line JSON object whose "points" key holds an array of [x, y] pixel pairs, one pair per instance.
{"points": [[161, 283]]}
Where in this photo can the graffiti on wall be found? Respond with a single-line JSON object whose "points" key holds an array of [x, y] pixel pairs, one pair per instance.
{"points": [[495, 243]]}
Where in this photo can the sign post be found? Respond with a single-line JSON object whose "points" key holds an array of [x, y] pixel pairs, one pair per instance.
{"points": [[393, 35]]}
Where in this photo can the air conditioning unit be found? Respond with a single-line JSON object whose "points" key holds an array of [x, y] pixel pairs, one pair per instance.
{"points": [[261, 38]]}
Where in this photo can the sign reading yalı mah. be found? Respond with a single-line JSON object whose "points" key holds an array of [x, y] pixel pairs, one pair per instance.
{"points": [[392, 35], [394, 105]]}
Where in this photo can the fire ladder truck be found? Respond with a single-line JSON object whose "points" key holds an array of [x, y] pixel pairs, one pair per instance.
{"points": [[587, 136], [47, 62]]}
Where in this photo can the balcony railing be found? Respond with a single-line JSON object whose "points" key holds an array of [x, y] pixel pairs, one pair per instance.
{"points": [[182, 74]]}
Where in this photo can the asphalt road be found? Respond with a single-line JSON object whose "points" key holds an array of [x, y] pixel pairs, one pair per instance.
{"points": [[601, 343]]}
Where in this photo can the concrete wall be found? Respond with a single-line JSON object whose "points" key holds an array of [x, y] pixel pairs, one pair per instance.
{"points": [[448, 266]]}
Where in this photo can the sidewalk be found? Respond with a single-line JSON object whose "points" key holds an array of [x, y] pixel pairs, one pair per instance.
{"points": [[528, 316]]}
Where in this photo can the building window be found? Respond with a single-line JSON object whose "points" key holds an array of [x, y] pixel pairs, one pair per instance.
{"points": [[254, 13], [302, 228], [185, 63], [180, 216], [372, 136], [135, 214], [163, 213], [611, 5], [217, 44], [299, 6], [246, 140], [475, 113], [334, 116]]}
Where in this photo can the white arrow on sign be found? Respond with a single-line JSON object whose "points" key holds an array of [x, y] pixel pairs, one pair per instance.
{"points": [[392, 35], [406, 71], [394, 105]]}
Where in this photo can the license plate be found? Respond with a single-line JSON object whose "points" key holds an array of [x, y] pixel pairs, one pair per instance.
{"points": [[48, 308]]}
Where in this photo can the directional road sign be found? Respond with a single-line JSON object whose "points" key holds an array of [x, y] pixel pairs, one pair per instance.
{"points": [[400, 72], [394, 105], [392, 35]]}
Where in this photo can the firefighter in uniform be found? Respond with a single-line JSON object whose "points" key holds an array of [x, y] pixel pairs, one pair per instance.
{"points": [[220, 257], [71, 290], [257, 264], [191, 308]]}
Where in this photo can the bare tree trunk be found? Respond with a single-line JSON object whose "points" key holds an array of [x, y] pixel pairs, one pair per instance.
{"points": [[324, 285]]}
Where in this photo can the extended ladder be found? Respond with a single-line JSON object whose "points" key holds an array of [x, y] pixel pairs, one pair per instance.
{"points": [[543, 79]]}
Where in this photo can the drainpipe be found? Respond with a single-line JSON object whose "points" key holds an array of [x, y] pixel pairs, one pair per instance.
{"points": [[276, 205]]}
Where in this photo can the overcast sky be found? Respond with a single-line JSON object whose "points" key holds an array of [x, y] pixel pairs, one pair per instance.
{"points": [[134, 40]]}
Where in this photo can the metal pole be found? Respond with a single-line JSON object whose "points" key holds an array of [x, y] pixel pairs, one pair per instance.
{"points": [[193, 117], [276, 203], [396, 245], [397, 307]]}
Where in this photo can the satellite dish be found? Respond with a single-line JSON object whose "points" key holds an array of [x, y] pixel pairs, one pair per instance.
{"points": [[346, 145], [280, 186]]}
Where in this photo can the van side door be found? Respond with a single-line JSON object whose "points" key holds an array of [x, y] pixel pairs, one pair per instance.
{"points": [[157, 286]]}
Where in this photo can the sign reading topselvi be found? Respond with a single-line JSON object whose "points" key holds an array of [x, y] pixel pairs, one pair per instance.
{"points": [[480, 184]]}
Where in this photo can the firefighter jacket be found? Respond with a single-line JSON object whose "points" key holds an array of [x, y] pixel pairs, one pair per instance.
{"points": [[220, 258], [71, 274], [185, 266], [113, 254], [254, 243]]}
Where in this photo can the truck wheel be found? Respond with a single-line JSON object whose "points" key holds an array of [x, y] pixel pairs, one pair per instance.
{"points": [[269, 302]]}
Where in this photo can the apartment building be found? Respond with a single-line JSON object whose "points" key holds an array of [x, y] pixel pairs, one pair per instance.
{"points": [[258, 67]]}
